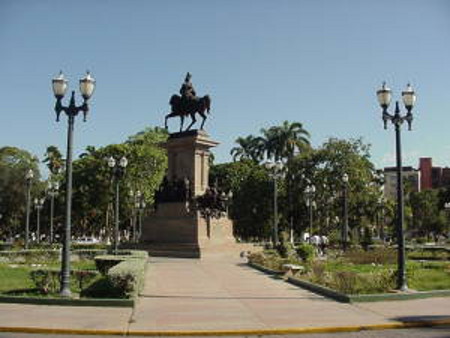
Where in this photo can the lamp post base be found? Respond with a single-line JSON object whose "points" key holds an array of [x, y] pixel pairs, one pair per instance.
{"points": [[65, 292]]}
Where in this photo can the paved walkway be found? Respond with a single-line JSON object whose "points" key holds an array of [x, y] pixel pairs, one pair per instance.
{"points": [[222, 294], [219, 294]]}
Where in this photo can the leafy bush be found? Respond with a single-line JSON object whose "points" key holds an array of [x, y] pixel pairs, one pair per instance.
{"points": [[30, 256], [106, 262], [125, 272], [345, 281], [376, 256], [350, 282], [420, 240], [306, 252], [89, 253], [44, 246], [48, 280], [84, 277], [257, 258], [102, 288], [5, 246], [317, 273], [90, 246], [271, 259], [285, 248], [366, 239], [128, 276]]}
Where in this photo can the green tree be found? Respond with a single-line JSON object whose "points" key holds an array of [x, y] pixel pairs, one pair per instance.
{"points": [[251, 206], [53, 159], [14, 163], [93, 196], [281, 142], [249, 148], [427, 216]]}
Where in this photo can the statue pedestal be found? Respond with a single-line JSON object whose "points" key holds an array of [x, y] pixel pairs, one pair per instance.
{"points": [[175, 229]]}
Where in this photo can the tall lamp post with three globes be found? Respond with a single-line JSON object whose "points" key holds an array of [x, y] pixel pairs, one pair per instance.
{"points": [[29, 178], [310, 191], [53, 190], [275, 170], [344, 229], [384, 96], [87, 86], [118, 170]]}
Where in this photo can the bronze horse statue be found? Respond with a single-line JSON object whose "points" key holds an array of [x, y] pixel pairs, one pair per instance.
{"points": [[183, 106]]}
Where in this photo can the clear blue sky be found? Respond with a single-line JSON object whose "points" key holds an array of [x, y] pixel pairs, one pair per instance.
{"points": [[262, 62]]}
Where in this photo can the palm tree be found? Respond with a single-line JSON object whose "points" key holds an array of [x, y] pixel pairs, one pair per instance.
{"points": [[283, 141], [53, 159], [249, 147]]}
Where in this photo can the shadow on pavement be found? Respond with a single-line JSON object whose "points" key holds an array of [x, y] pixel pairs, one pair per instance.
{"points": [[409, 319]]}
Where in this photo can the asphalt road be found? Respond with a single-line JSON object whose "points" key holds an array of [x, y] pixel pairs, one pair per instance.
{"points": [[437, 332]]}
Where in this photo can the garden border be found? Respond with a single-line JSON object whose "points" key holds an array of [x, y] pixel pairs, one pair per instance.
{"points": [[68, 301], [265, 269], [344, 298]]}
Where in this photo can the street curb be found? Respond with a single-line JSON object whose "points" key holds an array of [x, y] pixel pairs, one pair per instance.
{"points": [[275, 331]]}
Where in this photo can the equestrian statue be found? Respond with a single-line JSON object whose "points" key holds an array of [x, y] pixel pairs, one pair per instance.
{"points": [[188, 104]]}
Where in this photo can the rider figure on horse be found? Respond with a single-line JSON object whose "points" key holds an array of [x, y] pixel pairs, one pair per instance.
{"points": [[187, 90], [188, 104]]}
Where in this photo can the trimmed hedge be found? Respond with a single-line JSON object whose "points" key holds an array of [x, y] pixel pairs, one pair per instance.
{"points": [[125, 273], [88, 253], [128, 276], [30, 255], [39, 255], [90, 246]]}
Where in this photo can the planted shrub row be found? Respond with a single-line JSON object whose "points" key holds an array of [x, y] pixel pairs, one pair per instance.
{"points": [[29, 256], [124, 274], [40, 255], [48, 280]]}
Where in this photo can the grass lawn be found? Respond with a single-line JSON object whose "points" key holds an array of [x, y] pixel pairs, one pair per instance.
{"points": [[430, 276], [364, 272], [17, 276], [14, 278], [422, 276]]}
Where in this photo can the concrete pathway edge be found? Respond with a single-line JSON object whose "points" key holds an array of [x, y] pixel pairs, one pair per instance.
{"points": [[274, 331]]}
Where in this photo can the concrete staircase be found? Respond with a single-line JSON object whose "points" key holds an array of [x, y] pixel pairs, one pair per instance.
{"points": [[192, 250]]}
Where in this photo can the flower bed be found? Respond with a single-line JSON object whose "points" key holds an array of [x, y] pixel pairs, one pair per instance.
{"points": [[22, 280], [361, 272]]}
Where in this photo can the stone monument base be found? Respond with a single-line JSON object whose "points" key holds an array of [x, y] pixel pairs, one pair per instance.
{"points": [[176, 231]]}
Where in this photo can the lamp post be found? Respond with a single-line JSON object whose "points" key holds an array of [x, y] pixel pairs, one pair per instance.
{"points": [[381, 217], [59, 85], [309, 194], [344, 229], [447, 211], [118, 170], [136, 197], [38, 205], [53, 190], [275, 172], [141, 207], [384, 96], [291, 208], [29, 177]]}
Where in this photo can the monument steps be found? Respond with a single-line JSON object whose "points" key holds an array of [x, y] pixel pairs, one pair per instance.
{"points": [[175, 250], [192, 250]]}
